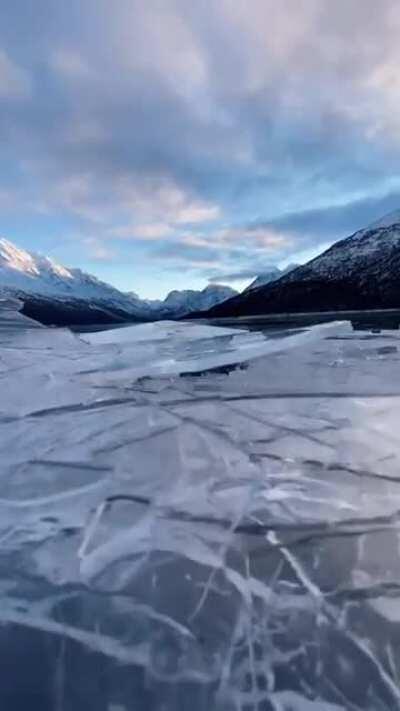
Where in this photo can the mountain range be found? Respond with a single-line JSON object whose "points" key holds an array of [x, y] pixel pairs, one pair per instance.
{"points": [[360, 272], [56, 295], [181, 303]]}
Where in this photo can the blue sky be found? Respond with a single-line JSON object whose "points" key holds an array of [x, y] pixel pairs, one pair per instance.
{"points": [[165, 144]]}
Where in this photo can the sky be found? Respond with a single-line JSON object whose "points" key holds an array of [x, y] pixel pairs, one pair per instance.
{"points": [[164, 144]]}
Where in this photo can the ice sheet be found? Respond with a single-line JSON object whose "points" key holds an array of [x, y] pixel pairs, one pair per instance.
{"points": [[227, 540]]}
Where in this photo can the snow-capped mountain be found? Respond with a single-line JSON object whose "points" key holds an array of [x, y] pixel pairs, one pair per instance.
{"points": [[181, 303], [187, 301], [54, 294], [359, 272], [270, 275]]}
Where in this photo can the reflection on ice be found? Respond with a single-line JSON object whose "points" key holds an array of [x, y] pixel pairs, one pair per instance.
{"points": [[229, 541]]}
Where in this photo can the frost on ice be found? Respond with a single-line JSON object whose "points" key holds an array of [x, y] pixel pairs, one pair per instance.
{"points": [[200, 518]]}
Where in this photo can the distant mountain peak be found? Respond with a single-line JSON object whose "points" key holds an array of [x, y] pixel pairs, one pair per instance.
{"points": [[29, 263], [189, 300]]}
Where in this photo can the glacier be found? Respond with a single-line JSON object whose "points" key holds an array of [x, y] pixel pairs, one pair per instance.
{"points": [[199, 517]]}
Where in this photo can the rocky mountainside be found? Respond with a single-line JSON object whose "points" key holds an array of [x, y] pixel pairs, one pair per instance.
{"points": [[359, 272]]}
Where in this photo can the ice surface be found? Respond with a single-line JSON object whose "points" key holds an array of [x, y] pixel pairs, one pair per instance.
{"points": [[173, 537]]}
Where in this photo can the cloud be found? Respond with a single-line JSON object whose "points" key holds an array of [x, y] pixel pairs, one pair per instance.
{"points": [[71, 65], [97, 251], [224, 254], [229, 133], [260, 235], [7, 200], [196, 213], [334, 221], [149, 231], [234, 277], [14, 81]]}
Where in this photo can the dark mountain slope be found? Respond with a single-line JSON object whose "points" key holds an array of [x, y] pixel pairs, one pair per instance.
{"points": [[359, 272]]}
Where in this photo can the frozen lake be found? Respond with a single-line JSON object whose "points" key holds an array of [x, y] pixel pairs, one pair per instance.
{"points": [[199, 517]]}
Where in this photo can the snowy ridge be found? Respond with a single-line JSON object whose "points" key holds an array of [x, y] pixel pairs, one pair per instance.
{"points": [[367, 247], [37, 274], [22, 271]]}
